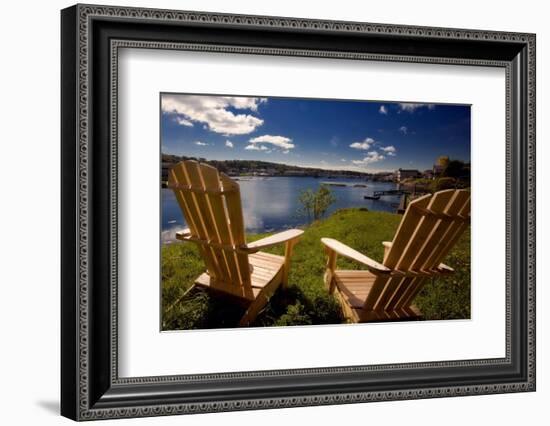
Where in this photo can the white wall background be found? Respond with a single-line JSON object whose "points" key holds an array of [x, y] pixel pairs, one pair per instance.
{"points": [[29, 210]]}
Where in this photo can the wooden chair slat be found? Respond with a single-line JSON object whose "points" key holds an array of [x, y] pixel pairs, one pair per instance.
{"points": [[200, 190], [377, 288], [407, 226], [438, 239], [193, 217], [413, 290], [193, 173], [212, 183], [421, 234], [411, 234], [389, 289], [394, 298], [236, 224], [399, 298], [174, 176], [458, 230], [417, 239]]}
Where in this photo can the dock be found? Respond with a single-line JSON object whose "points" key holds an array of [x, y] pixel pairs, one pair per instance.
{"points": [[389, 192]]}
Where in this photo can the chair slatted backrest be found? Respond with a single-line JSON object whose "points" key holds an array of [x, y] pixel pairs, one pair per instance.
{"points": [[211, 204], [430, 228]]}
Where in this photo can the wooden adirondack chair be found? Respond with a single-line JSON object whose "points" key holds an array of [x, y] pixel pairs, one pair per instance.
{"points": [[428, 230], [211, 204]]}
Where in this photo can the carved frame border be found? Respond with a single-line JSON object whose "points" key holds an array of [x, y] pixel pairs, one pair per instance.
{"points": [[85, 409]]}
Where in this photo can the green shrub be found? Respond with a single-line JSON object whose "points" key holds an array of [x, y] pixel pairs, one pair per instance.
{"points": [[443, 183], [295, 315], [315, 203]]}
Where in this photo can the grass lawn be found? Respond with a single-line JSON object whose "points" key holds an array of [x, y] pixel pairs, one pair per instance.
{"points": [[306, 301]]}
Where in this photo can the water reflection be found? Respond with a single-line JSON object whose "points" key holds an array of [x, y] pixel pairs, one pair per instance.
{"points": [[271, 204]]}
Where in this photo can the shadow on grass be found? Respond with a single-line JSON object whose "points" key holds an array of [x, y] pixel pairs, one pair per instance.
{"points": [[293, 307], [201, 309]]}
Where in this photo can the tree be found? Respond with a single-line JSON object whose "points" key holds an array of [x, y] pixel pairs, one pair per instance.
{"points": [[443, 161], [315, 204], [324, 198], [307, 200], [455, 169]]}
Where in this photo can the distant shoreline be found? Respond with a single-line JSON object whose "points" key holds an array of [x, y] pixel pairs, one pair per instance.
{"points": [[256, 168], [361, 181]]}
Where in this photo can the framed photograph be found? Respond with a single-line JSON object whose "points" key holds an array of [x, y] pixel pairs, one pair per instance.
{"points": [[295, 194], [263, 212]]}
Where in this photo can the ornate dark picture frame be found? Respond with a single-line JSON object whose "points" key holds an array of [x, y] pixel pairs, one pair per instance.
{"points": [[90, 386]]}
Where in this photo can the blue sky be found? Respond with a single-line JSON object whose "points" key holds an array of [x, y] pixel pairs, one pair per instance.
{"points": [[369, 136]]}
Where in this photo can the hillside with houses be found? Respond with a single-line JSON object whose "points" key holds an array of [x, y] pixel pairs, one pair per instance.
{"points": [[445, 173]]}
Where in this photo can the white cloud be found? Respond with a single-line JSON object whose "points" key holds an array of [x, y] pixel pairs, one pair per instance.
{"points": [[244, 102], [200, 143], [403, 129], [412, 107], [343, 160], [389, 150], [366, 144], [252, 147], [183, 122], [372, 157], [213, 112], [383, 110], [277, 141], [286, 151], [229, 144]]}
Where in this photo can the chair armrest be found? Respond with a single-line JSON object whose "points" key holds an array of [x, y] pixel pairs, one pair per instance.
{"points": [[272, 240], [352, 254], [184, 234]]}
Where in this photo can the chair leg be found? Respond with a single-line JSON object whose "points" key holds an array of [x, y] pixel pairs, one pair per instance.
{"points": [[330, 280], [253, 310], [286, 268], [347, 312], [257, 304]]}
